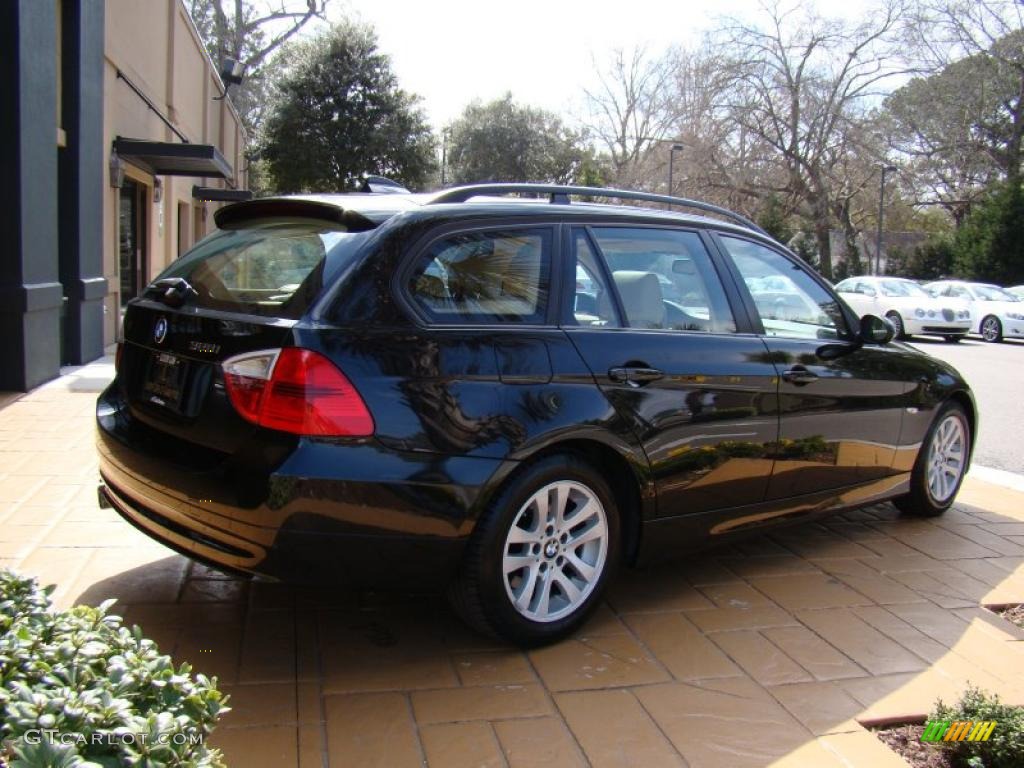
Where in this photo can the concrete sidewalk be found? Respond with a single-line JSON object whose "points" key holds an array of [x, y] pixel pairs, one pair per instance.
{"points": [[771, 652]]}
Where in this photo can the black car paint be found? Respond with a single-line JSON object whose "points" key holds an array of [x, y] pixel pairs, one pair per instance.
{"points": [[457, 408]]}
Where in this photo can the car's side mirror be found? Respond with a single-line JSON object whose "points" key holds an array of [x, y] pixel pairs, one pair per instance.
{"points": [[876, 330]]}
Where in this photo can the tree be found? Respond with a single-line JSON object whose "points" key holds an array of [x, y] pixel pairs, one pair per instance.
{"points": [[505, 141], [961, 126], [932, 125], [720, 160], [341, 114], [989, 245], [932, 260], [772, 219], [800, 83], [631, 108], [250, 32], [804, 245], [977, 46]]}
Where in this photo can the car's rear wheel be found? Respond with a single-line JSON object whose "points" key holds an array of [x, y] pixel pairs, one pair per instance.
{"points": [[897, 324], [991, 329], [541, 554], [941, 464]]}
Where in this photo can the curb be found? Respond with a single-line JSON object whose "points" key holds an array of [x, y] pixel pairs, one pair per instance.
{"points": [[1011, 480]]}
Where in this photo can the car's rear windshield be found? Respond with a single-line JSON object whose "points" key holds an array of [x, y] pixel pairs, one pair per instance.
{"points": [[273, 267]]}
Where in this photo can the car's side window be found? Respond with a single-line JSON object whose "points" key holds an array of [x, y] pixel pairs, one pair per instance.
{"points": [[665, 279], [789, 301], [847, 286], [495, 276], [592, 304]]}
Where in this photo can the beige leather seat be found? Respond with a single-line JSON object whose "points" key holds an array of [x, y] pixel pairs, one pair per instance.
{"points": [[641, 298]]}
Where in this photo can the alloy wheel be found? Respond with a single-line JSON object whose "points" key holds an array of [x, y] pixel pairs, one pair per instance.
{"points": [[947, 457], [990, 330], [897, 324], [555, 551]]}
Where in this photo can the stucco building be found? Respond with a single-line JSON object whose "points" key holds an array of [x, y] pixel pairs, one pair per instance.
{"points": [[116, 144]]}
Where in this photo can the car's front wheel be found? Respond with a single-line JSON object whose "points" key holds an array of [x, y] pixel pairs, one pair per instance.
{"points": [[897, 324], [941, 464], [991, 329], [541, 554]]}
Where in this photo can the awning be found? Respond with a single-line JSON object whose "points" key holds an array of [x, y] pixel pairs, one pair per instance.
{"points": [[220, 195], [165, 158]]}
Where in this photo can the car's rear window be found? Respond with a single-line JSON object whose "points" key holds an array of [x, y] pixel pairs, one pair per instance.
{"points": [[273, 267], [485, 277]]}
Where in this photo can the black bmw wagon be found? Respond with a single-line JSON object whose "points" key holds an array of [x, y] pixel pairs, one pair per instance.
{"points": [[506, 395]]}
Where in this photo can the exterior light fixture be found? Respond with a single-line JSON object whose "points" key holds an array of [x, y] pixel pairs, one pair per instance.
{"points": [[158, 191], [232, 72], [116, 167]]}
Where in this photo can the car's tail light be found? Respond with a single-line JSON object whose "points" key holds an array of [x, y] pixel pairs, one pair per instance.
{"points": [[298, 391]]}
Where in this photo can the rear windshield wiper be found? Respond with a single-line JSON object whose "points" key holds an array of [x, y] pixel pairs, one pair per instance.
{"points": [[172, 291]]}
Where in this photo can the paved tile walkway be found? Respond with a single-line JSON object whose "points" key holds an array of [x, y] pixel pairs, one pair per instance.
{"points": [[770, 652]]}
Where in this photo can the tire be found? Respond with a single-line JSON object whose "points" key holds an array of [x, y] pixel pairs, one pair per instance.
{"points": [[953, 339], [928, 497], [897, 323], [511, 530], [991, 329]]}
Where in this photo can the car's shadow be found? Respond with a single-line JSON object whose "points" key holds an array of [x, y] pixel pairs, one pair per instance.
{"points": [[262, 638]]}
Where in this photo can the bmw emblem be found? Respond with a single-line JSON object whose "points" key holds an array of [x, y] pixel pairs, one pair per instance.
{"points": [[160, 330]]}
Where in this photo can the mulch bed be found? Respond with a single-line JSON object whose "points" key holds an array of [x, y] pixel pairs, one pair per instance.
{"points": [[905, 740], [1014, 613]]}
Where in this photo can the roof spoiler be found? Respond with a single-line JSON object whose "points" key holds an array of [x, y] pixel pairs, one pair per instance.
{"points": [[382, 185], [237, 214]]}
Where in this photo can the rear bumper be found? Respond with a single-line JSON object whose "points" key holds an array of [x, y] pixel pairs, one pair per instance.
{"points": [[350, 512]]}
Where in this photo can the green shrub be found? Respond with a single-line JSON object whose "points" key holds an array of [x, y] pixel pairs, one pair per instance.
{"points": [[1005, 747], [990, 243], [79, 690]]}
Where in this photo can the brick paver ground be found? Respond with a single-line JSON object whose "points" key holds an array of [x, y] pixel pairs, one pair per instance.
{"points": [[770, 652]]}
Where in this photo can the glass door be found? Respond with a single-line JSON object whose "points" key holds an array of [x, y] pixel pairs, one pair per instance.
{"points": [[133, 239]]}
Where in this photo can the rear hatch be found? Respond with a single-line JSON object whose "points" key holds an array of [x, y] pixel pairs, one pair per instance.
{"points": [[239, 291]]}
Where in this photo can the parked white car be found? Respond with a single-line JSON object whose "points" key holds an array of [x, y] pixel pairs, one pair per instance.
{"points": [[906, 305], [994, 312]]}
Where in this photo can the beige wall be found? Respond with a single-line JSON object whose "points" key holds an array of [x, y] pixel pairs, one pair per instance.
{"points": [[156, 46]]}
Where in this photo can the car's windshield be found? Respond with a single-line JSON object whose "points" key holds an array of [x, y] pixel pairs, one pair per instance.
{"points": [[273, 267], [902, 288], [992, 293]]}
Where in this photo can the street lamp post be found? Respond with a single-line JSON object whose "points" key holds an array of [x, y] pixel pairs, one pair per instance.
{"points": [[881, 213], [444, 153], [671, 157]]}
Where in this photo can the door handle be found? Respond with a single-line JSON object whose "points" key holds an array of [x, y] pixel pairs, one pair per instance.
{"points": [[799, 375], [634, 375]]}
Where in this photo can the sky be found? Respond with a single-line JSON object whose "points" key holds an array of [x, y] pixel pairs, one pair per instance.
{"points": [[543, 51]]}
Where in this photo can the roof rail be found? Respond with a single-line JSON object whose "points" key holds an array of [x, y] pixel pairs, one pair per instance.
{"points": [[560, 193]]}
